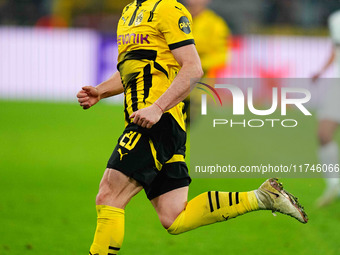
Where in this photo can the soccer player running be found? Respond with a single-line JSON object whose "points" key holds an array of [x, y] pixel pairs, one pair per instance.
{"points": [[157, 59], [329, 118]]}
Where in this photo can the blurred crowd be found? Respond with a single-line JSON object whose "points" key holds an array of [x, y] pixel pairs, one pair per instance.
{"points": [[96, 14], [243, 16]]}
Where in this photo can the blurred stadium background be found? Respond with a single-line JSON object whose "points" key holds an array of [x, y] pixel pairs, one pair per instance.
{"points": [[52, 153]]}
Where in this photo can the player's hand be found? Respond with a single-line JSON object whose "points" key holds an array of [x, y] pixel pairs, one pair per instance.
{"points": [[147, 117], [88, 97]]}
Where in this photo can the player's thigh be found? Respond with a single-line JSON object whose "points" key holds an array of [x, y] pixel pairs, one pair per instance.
{"points": [[169, 205], [326, 130], [116, 189]]}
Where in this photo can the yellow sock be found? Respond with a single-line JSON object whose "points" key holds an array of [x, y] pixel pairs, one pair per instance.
{"points": [[211, 207], [110, 231]]}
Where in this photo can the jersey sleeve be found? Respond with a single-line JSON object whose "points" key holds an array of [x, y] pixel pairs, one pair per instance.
{"points": [[334, 27], [175, 23]]}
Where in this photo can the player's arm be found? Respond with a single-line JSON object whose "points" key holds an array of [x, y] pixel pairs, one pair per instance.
{"points": [[190, 73], [89, 95], [325, 67]]}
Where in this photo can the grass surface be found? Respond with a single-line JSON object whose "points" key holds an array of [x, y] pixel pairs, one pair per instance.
{"points": [[52, 157]]}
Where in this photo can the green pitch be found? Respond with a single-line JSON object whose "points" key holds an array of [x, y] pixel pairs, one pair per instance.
{"points": [[52, 156]]}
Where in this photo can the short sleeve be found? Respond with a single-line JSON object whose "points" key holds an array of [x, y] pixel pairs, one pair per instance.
{"points": [[334, 27], [175, 23]]}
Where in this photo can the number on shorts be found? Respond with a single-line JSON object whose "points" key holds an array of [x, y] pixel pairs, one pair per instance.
{"points": [[132, 139]]}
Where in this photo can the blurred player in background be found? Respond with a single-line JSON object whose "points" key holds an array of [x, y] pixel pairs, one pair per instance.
{"points": [[329, 117], [156, 62], [212, 36], [213, 41]]}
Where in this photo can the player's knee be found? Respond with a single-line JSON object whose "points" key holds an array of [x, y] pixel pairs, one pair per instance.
{"points": [[105, 195], [166, 221], [102, 197]]}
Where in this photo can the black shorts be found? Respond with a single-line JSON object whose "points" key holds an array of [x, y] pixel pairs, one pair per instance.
{"points": [[153, 157]]}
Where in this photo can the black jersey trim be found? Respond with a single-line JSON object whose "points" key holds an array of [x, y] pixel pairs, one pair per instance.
{"points": [[147, 77], [138, 55], [134, 95], [153, 11], [181, 44], [160, 68], [141, 54], [127, 116]]}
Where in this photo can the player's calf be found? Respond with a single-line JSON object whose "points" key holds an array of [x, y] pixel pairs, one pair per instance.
{"points": [[215, 206]]}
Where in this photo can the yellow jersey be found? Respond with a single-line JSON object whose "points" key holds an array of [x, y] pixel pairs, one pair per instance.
{"points": [[147, 32], [211, 36]]}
